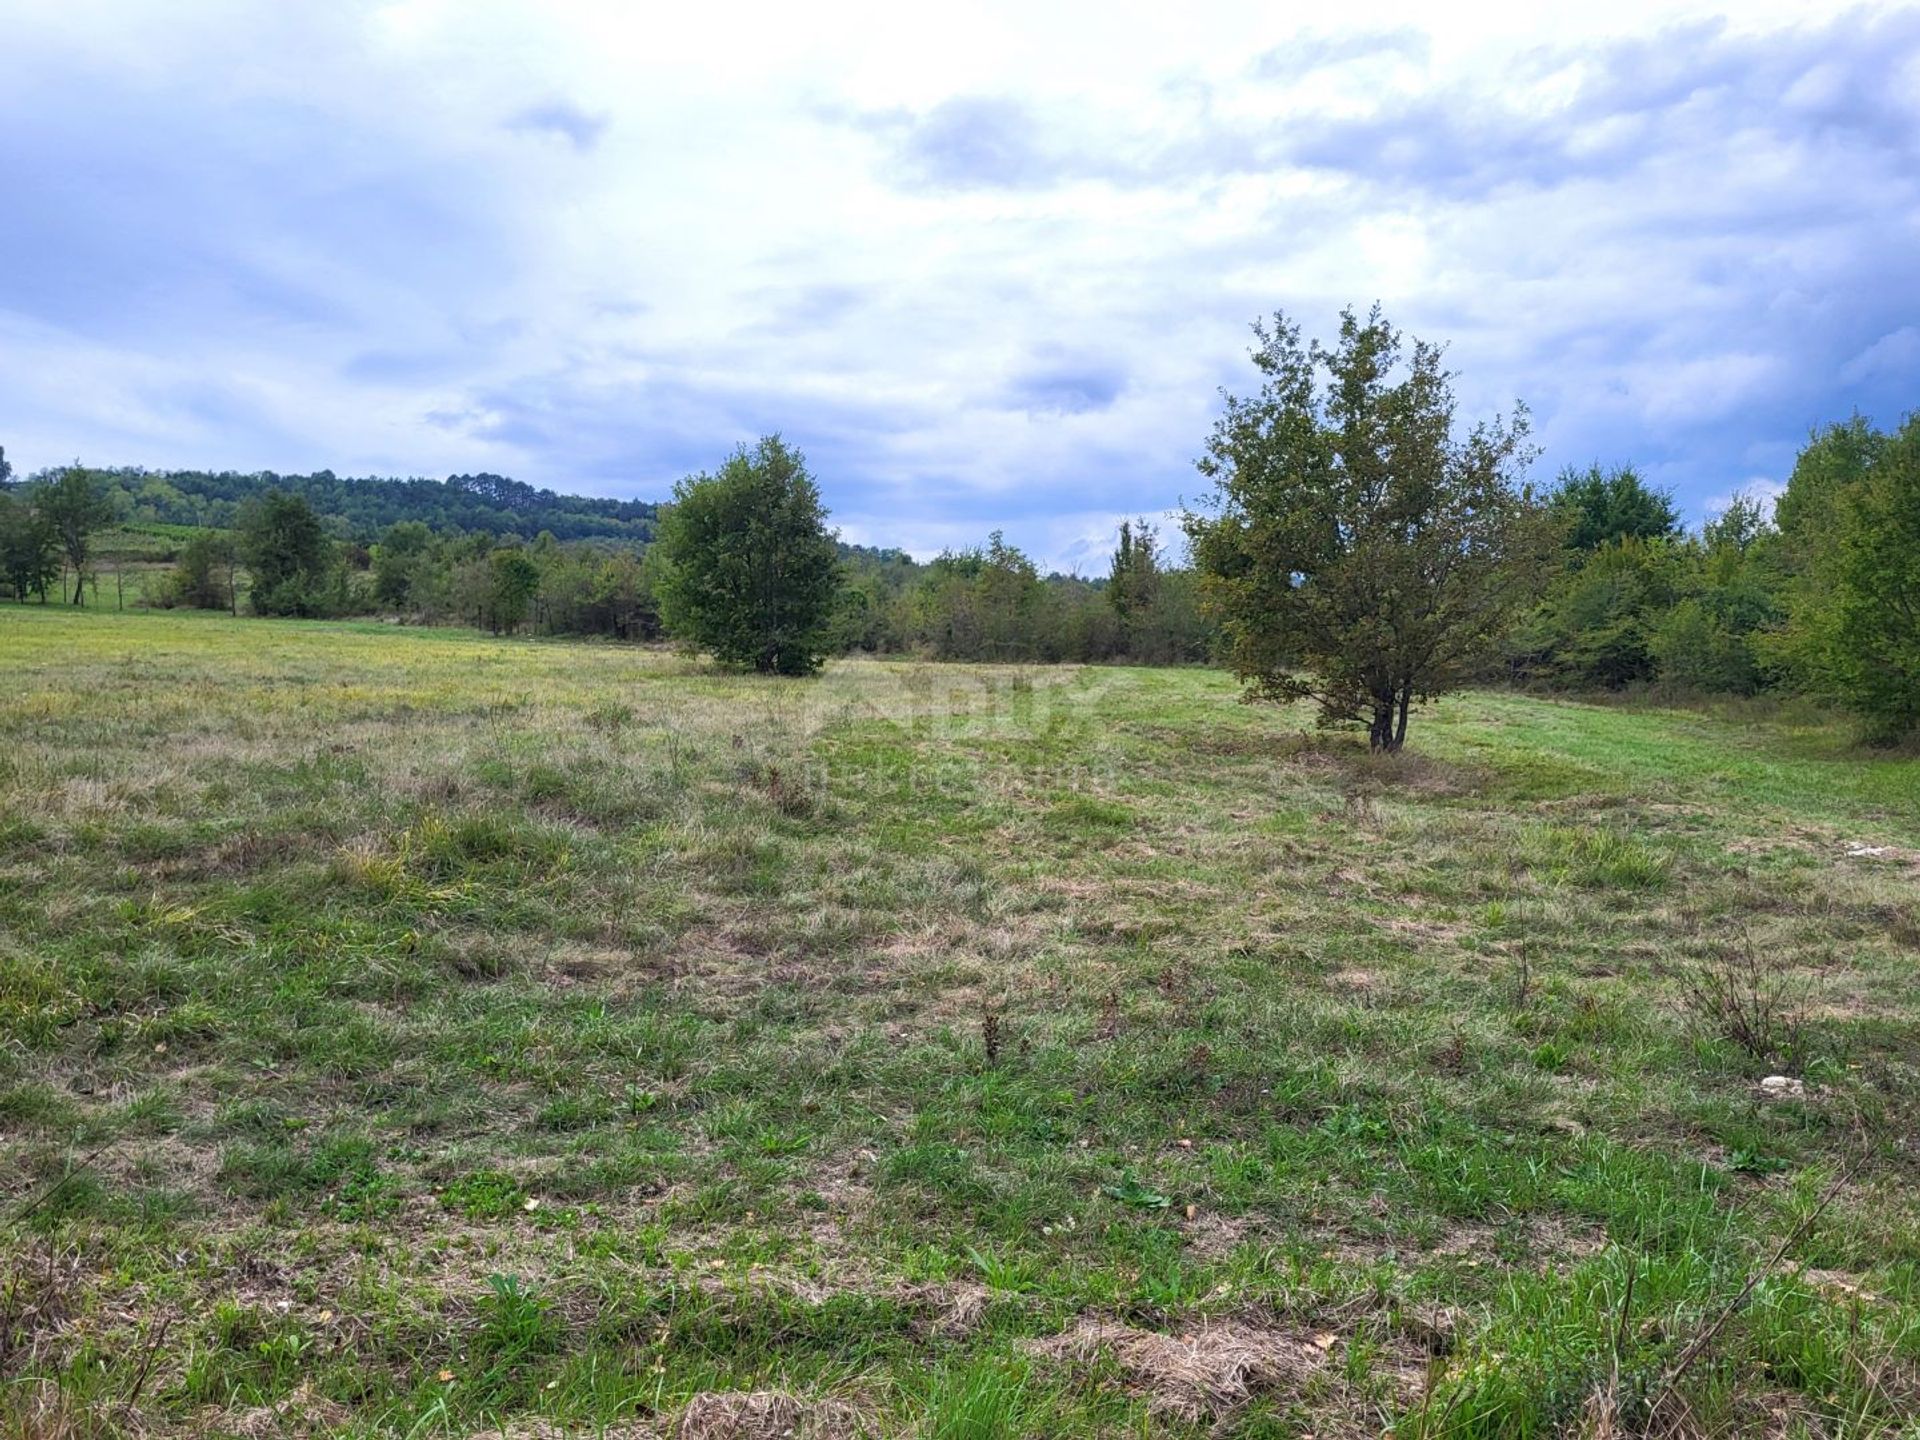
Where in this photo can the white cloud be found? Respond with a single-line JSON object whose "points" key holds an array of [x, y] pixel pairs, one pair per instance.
{"points": [[986, 264]]}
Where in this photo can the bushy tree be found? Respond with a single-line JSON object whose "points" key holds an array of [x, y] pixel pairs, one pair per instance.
{"points": [[1866, 628], [29, 550], [748, 570], [1596, 627], [1355, 551], [396, 563], [982, 603], [1175, 629], [1133, 581], [1811, 516], [74, 504], [287, 554], [202, 576], [512, 581], [1598, 507]]}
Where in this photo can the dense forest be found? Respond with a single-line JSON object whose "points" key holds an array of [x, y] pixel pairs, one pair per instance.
{"points": [[361, 509]]}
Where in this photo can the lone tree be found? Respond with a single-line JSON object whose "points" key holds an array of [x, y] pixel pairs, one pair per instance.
{"points": [[1354, 551], [74, 504], [748, 570]]}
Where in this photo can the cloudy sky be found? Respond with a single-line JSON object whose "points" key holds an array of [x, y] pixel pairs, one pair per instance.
{"points": [[988, 265]]}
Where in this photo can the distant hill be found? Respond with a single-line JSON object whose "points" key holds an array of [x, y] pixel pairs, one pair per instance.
{"points": [[360, 509]]}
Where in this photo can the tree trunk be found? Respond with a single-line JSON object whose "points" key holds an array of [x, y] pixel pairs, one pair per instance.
{"points": [[1406, 703], [1380, 732]]}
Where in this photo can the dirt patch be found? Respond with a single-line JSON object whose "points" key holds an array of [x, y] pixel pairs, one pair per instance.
{"points": [[1214, 1237], [1201, 1374], [766, 1415], [1546, 1236]]}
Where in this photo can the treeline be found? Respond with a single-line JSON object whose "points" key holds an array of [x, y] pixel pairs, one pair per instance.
{"points": [[985, 603], [364, 508], [280, 555], [991, 602], [1822, 596]]}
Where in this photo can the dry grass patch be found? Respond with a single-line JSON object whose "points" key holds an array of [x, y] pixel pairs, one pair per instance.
{"points": [[767, 1415], [1205, 1373]]}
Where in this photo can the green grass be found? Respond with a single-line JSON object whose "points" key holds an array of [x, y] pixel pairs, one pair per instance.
{"points": [[428, 1034]]}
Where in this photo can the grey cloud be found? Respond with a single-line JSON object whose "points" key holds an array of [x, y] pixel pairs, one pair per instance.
{"points": [[1697, 87], [975, 142], [564, 120], [1074, 390]]}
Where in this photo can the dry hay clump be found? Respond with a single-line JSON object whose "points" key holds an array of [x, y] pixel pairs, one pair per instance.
{"points": [[1203, 1374], [766, 1415], [302, 1414], [547, 1430]]}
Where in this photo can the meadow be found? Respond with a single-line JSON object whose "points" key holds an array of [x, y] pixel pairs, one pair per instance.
{"points": [[406, 1032]]}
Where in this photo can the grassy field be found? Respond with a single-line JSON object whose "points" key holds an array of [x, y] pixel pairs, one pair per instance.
{"points": [[413, 1033]]}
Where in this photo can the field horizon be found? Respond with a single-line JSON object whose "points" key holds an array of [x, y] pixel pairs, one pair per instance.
{"points": [[411, 1031]]}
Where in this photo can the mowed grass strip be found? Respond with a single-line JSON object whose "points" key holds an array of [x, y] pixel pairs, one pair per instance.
{"points": [[411, 1032]]}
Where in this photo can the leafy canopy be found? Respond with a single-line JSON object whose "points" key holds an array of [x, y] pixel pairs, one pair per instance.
{"points": [[1601, 507], [1355, 551], [29, 550], [287, 553], [1856, 622], [74, 504], [748, 569]]}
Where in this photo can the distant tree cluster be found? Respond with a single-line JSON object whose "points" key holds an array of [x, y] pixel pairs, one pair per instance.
{"points": [[361, 509], [1822, 597], [47, 532], [747, 571], [991, 602]]}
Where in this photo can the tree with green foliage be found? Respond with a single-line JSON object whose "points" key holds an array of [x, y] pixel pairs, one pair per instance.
{"points": [[748, 569], [1860, 631], [396, 562], [287, 554], [981, 603], [29, 550], [74, 504], [1598, 507], [1356, 553], [1595, 628], [1835, 459], [1133, 581], [202, 577], [1805, 556], [512, 580]]}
